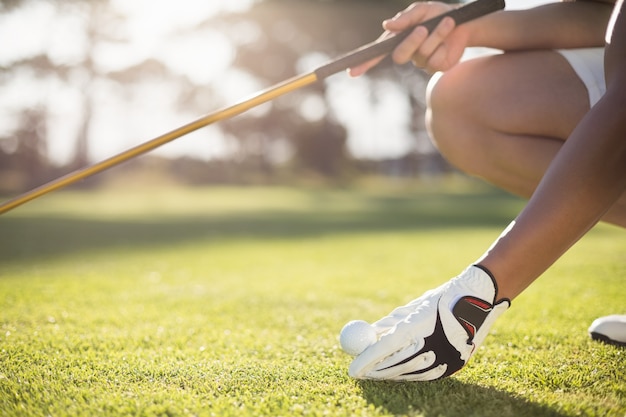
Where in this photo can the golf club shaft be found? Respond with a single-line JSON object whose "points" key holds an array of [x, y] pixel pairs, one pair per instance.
{"points": [[370, 51], [225, 113]]}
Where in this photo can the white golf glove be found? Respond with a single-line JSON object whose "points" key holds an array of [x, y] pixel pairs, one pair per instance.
{"points": [[435, 335]]}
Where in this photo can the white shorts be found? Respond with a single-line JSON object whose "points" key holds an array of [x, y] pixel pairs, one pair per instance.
{"points": [[589, 65]]}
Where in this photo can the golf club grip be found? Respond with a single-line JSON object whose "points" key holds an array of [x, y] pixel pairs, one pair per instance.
{"points": [[375, 49]]}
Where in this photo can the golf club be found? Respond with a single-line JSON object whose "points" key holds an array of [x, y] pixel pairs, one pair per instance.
{"points": [[367, 52]]}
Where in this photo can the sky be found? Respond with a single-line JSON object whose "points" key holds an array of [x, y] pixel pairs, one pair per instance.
{"points": [[151, 27]]}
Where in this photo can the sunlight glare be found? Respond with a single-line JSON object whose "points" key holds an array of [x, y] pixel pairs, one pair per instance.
{"points": [[376, 114], [33, 19], [202, 56]]}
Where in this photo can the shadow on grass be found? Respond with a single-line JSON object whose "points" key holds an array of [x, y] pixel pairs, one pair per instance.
{"points": [[449, 398], [41, 236]]}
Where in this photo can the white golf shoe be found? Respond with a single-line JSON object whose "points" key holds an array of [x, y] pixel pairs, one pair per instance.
{"points": [[609, 329]]}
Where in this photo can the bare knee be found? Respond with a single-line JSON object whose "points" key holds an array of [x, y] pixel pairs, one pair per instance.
{"points": [[452, 126], [441, 104]]}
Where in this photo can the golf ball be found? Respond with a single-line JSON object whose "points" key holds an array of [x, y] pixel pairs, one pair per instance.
{"points": [[356, 336]]}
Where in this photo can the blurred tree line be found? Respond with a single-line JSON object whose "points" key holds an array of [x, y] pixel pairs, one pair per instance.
{"points": [[300, 134]]}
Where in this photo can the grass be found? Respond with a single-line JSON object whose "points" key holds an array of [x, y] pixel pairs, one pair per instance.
{"points": [[228, 301]]}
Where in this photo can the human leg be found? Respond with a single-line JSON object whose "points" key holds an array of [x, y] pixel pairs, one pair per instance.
{"points": [[504, 118], [585, 179], [436, 334]]}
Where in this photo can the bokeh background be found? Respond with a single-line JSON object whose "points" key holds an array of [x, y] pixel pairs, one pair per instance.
{"points": [[83, 80]]}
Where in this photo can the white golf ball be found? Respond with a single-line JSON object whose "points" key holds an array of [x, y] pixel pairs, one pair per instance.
{"points": [[356, 336]]}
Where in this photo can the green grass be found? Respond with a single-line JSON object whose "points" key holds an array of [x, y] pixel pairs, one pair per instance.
{"points": [[228, 301]]}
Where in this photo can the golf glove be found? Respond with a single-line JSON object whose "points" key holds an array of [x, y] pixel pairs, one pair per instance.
{"points": [[435, 335]]}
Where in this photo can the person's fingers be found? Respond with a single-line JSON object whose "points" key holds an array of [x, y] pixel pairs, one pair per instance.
{"points": [[411, 16], [406, 50], [432, 49]]}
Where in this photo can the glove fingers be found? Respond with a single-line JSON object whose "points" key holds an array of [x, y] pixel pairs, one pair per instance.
{"points": [[435, 335], [395, 366], [385, 324], [401, 343], [400, 313], [392, 319], [430, 375], [393, 343]]}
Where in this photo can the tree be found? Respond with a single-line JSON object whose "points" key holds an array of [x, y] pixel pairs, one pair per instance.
{"points": [[277, 39], [271, 42], [80, 78]]}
